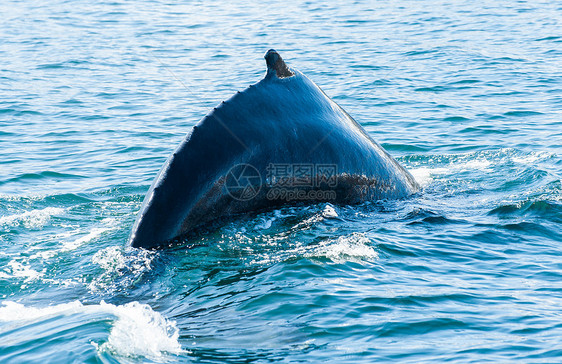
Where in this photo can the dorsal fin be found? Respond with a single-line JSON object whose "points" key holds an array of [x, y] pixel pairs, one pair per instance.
{"points": [[276, 65]]}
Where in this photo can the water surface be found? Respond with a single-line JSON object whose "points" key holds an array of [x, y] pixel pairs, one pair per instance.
{"points": [[95, 96]]}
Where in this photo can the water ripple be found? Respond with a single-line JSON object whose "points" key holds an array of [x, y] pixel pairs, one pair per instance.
{"points": [[465, 95]]}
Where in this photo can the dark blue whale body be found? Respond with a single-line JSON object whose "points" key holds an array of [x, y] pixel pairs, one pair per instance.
{"points": [[281, 140]]}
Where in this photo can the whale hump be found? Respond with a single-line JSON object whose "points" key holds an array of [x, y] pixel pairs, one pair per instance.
{"points": [[280, 141], [276, 66]]}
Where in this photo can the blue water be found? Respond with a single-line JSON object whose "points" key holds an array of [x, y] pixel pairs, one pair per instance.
{"points": [[468, 97]]}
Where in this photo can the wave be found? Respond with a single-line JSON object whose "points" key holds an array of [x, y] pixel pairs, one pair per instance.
{"points": [[42, 175], [120, 269], [506, 161], [538, 208], [354, 247], [34, 219], [424, 216], [135, 329], [15, 269]]}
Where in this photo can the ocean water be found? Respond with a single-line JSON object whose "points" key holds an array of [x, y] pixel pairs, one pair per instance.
{"points": [[467, 96]]}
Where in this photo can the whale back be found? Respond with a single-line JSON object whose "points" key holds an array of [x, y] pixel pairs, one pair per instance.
{"points": [[284, 122]]}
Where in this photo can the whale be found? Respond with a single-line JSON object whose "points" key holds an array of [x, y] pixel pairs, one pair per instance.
{"points": [[280, 141]]}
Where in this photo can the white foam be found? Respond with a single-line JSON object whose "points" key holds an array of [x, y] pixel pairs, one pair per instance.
{"points": [[476, 164], [22, 197], [69, 239], [34, 219], [115, 263], [329, 212], [532, 158], [110, 224], [140, 331], [94, 233], [110, 259], [354, 247], [137, 330], [13, 311], [424, 176], [17, 269]]}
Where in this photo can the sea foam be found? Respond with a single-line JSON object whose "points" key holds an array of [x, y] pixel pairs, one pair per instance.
{"points": [[34, 219], [136, 330], [354, 247]]}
